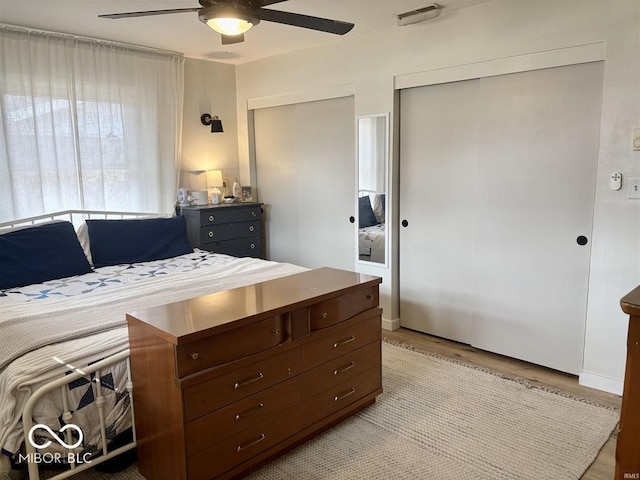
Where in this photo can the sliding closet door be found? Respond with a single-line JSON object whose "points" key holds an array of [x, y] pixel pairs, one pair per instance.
{"points": [[497, 186], [305, 170]]}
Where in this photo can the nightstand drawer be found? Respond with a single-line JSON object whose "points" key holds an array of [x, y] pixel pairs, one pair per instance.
{"points": [[241, 415], [340, 370], [224, 214], [231, 345], [228, 231], [241, 447], [233, 384], [241, 247], [340, 396], [346, 306], [341, 340]]}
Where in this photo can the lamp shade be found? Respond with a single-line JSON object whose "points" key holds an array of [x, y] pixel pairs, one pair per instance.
{"points": [[216, 125], [214, 178]]}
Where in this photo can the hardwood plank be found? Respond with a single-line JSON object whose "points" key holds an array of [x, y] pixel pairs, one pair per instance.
{"points": [[603, 468]]}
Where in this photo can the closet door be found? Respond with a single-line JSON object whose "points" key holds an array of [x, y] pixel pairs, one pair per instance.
{"points": [[504, 171], [305, 170]]}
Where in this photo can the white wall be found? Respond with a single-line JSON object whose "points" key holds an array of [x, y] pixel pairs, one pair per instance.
{"points": [[499, 29], [209, 88]]}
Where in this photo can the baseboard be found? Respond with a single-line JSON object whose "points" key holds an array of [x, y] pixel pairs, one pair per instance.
{"points": [[390, 324], [598, 382]]}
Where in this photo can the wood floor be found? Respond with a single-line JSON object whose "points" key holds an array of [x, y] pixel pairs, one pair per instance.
{"points": [[604, 466]]}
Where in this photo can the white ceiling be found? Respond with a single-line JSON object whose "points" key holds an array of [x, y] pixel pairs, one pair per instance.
{"points": [[183, 32]]}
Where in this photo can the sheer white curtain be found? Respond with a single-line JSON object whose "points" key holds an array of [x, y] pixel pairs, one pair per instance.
{"points": [[86, 124], [371, 145]]}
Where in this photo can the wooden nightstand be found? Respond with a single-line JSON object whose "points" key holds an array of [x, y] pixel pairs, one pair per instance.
{"points": [[225, 382], [234, 229]]}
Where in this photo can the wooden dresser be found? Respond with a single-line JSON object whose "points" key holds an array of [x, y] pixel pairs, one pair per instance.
{"points": [[234, 228], [628, 445], [226, 382]]}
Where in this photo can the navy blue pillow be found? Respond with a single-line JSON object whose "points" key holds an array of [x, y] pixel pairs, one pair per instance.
{"points": [[40, 253], [115, 242], [366, 217]]}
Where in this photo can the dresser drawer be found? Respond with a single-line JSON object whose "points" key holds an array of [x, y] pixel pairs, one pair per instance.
{"points": [[341, 340], [225, 422], [241, 447], [338, 309], [234, 384], [231, 345], [341, 395], [340, 369], [241, 247], [228, 231], [225, 214]]}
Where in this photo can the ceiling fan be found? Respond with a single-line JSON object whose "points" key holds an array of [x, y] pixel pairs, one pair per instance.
{"points": [[232, 18]]}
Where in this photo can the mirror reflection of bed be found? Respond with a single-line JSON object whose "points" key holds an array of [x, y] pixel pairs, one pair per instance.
{"points": [[371, 227], [373, 144]]}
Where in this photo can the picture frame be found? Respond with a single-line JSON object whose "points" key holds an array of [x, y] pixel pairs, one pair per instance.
{"points": [[247, 194]]}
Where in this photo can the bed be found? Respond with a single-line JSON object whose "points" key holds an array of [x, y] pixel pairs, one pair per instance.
{"points": [[64, 344], [371, 227]]}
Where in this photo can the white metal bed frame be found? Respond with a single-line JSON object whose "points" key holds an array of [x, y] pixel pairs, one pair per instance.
{"points": [[76, 217]]}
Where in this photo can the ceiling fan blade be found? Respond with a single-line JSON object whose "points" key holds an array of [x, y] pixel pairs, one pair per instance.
{"points": [[148, 13], [230, 39], [306, 21], [264, 3]]}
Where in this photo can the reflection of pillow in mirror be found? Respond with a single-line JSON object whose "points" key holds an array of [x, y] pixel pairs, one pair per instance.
{"points": [[378, 207], [366, 217]]}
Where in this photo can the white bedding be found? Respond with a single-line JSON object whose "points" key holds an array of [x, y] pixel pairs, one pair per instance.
{"points": [[371, 243], [80, 324]]}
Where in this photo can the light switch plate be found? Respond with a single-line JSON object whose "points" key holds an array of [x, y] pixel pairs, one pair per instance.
{"points": [[633, 190]]}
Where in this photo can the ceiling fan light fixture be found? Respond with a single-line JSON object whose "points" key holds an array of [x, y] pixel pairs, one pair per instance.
{"points": [[229, 26], [228, 21]]}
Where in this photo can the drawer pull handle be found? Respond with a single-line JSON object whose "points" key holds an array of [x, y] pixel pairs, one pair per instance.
{"points": [[251, 228], [251, 443], [339, 343], [211, 218], [344, 368], [253, 246], [249, 411], [211, 234], [194, 356], [275, 331], [369, 296], [247, 381], [253, 214], [342, 395], [324, 315]]}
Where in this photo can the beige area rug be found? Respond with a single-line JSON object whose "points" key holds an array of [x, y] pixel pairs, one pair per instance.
{"points": [[439, 419]]}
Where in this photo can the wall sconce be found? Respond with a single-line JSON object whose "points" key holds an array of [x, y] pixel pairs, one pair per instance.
{"points": [[215, 122]]}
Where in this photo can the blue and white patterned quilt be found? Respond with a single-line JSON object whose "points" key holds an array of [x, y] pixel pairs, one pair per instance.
{"points": [[113, 275], [79, 320]]}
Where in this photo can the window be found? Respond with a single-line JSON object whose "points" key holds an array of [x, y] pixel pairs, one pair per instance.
{"points": [[86, 124]]}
